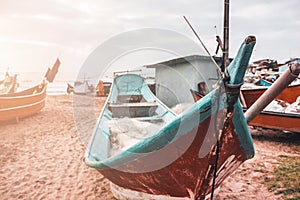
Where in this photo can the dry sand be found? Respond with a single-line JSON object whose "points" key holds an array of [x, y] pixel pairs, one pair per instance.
{"points": [[41, 158]]}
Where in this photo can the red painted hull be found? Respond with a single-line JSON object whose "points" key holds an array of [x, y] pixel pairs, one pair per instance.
{"points": [[289, 94], [185, 176], [280, 121]]}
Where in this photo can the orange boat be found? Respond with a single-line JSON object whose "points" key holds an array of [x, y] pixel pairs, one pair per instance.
{"points": [[271, 119], [277, 120], [22, 104], [289, 94], [25, 103]]}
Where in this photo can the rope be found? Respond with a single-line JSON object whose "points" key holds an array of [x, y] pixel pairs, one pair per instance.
{"points": [[232, 89], [213, 60], [225, 79], [217, 144]]}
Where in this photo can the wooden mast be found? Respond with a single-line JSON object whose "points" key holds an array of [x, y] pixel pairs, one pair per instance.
{"points": [[226, 35]]}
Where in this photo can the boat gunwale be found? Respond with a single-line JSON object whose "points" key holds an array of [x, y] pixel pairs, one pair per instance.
{"points": [[260, 87], [105, 107], [19, 94]]}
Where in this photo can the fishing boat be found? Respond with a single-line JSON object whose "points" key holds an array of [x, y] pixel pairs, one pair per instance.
{"points": [[22, 104], [189, 155], [277, 120], [257, 82], [289, 120], [15, 106], [81, 87], [271, 119], [252, 93], [103, 88]]}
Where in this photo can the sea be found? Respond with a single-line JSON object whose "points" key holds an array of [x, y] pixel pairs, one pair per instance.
{"points": [[55, 88], [59, 86]]}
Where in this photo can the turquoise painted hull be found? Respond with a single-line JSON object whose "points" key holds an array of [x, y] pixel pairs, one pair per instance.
{"points": [[178, 159]]}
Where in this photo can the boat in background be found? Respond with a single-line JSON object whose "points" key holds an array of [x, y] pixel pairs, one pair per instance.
{"points": [[251, 93], [272, 118], [278, 121], [9, 84], [182, 159], [81, 87], [15, 106], [103, 88], [261, 75]]}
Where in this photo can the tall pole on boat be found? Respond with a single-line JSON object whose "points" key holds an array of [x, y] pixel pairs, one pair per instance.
{"points": [[225, 63], [226, 35], [277, 87]]}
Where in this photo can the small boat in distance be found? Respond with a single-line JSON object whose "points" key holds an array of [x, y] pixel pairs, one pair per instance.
{"points": [[81, 87], [181, 158], [9, 84], [103, 88], [15, 106]]}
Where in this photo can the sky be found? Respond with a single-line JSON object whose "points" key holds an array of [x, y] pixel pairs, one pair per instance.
{"points": [[34, 33]]}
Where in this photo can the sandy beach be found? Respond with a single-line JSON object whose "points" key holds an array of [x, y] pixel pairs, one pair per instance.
{"points": [[42, 158]]}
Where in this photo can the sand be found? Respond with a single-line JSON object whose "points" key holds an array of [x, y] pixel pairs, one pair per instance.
{"points": [[42, 158]]}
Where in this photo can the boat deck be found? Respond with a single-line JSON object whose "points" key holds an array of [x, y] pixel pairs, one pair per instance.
{"points": [[138, 109]]}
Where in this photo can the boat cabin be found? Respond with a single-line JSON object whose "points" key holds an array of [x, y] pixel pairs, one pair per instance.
{"points": [[175, 78]]}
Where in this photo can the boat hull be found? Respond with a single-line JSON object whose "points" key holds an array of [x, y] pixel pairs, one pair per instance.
{"points": [[22, 104], [185, 176], [279, 121], [289, 94], [19, 112]]}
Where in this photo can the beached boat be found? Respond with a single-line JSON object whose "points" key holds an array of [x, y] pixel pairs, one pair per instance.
{"points": [[251, 94], [22, 104], [258, 81], [103, 88], [286, 116], [182, 159], [270, 118], [273, 119], [82, 88], [17, 105], [278, 121]]}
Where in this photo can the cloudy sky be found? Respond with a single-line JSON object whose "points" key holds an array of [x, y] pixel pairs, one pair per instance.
{"points": [[34, 33]]}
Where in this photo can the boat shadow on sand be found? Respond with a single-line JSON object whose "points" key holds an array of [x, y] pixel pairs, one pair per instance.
{"points": [[277, 136]]}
